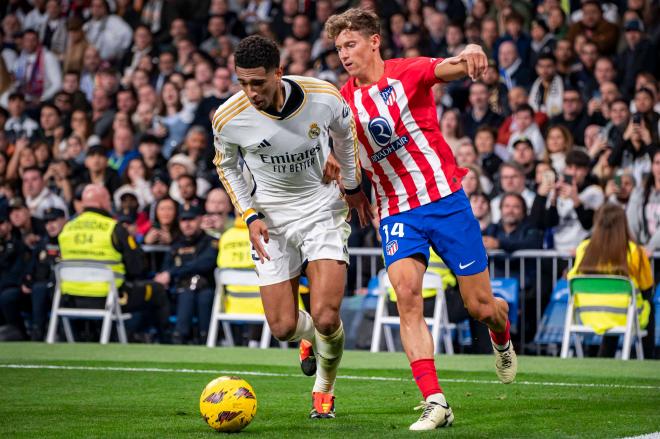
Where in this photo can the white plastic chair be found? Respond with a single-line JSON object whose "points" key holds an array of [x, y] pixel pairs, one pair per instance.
{"points": [[232, 276], [87, 271], [603, 284], [439, 323]]}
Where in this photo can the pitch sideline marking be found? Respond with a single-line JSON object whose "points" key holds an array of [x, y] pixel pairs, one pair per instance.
{"points": [[288, 375]]}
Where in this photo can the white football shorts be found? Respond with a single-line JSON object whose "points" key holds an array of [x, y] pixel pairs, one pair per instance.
{"points": [[319, 234]]}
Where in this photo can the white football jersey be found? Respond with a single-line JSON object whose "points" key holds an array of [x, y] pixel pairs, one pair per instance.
{"points": [[285, 156]]}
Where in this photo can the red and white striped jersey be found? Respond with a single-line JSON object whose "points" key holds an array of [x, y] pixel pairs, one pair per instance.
{"points": [[401, 148]]}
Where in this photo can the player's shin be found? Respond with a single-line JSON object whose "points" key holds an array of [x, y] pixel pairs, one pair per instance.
{"points": [[329, 349]]}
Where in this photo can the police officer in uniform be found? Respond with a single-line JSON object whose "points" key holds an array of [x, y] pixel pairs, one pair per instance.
{"points": [[95, 236], [39, 280], [188, 270], [12, 262]]}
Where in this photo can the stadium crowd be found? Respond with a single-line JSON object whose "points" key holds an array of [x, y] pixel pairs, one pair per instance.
{"points": [[121, 93]]}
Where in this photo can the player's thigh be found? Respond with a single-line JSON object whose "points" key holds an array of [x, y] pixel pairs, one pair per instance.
{"points": [[406, 276], [476, 290], [280, 302], [327, 279], [455, 234]]}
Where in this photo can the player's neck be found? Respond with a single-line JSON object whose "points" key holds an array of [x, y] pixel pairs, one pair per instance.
{"points": [[278, 101], [372, 74]]}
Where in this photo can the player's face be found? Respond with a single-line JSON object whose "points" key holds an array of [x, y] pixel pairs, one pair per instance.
{"points": [[356, 51], [259, 85]]}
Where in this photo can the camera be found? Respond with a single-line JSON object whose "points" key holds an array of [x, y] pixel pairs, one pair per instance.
{"points": [[637, 118], [568, 179]]}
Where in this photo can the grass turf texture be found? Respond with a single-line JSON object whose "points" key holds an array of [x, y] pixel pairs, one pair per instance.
{"points": [[87, 401]]}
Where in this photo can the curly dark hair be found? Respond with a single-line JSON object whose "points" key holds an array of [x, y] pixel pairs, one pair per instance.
{"points": [[256, 51]]}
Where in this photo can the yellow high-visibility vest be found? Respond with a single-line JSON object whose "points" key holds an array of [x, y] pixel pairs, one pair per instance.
{"points": [[88, 237], [235, 252], [436, 265]]}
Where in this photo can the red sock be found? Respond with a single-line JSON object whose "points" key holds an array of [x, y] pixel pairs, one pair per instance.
{"points": [[501, 338], [426, 376]]}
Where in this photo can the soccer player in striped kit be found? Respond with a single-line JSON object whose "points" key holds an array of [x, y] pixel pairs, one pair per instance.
{"points": [[418, 189]]}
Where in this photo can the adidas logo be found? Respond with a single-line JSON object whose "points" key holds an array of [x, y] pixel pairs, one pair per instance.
{"points": [[264, 143]]}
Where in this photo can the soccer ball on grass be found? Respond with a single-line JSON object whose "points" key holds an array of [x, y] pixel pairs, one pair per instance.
{"points": [[228, 404]]}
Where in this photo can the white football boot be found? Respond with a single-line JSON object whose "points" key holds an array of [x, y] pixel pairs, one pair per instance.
{"points": [[506, 363], [436, 414]]}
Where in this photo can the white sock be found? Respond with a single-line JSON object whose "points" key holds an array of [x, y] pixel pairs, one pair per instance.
{"points": [[304, 328], [438, 398], [329, 349]]}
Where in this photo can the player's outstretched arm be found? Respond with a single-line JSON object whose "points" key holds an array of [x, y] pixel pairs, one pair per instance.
{"points": [[472, 62], [359, 201]]}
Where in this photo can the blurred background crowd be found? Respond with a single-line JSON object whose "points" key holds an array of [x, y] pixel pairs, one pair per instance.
{"points": [[121, 93]]}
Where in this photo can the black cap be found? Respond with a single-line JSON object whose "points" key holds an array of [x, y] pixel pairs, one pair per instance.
{"points": [[53, 213], [161, 176], [523, 140], [190, 212], [16, 203], [97, 150], [410, 29], [633, 25]]}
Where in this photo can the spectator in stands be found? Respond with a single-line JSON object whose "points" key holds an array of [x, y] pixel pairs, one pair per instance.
{"points": [[39, 279], [643, 209], [497, 91], [489, 160], [142, 47], [512, 180], [512, 69], [595, 28], [38, 196], [573, 115], [525, 127], [481, 209], [179, 165], [619, 189], [12, 264], [548, 89], [188, 192], [558, 142], [53, 33], [523, 155], [165, 227], [480, 112], [640, 55], [543, 41], [612, 250], [97, 170], [573, 203], [517, 96], [122, 149], [188, 268], [217, 208], [513, 231], [644, 104], [565, 59], [452, 128], [107, 32], [37, 71], [73, 58], [136, 176], [102, 113], [31, 229], [19, 125]]}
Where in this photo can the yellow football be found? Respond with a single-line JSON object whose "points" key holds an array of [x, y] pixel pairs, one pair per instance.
{"points": [[228, 404]]}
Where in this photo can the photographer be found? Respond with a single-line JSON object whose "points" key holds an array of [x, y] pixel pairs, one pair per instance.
{"points": [[635, 151]]}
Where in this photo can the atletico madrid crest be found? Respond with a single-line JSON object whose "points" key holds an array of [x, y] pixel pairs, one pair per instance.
{"points": [[389, 95], [391, 247]]}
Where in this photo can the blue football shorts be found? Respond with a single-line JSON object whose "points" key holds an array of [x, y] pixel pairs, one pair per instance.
{"points": [[447, 225]]}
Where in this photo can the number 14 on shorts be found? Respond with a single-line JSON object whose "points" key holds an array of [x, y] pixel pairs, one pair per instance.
{"points": [[397, 230]]}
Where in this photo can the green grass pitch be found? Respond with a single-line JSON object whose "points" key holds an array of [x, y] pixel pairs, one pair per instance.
{"points": [[93, 391]]}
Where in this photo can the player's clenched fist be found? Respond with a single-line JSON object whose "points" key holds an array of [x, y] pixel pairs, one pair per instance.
{"points": [[259, 237]]}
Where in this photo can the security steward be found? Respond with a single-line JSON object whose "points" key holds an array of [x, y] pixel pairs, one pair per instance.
{"points": [[13, 257], [188, 270], [95, 236], [39, 280]]}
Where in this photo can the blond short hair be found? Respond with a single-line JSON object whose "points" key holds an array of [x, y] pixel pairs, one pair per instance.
{"points": [[354, 19]]}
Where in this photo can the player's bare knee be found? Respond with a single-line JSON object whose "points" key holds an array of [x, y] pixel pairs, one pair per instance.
{"points": [[326, 320], [483, 312], [283, 330]]}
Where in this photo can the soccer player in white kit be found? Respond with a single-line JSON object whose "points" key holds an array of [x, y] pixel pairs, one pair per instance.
{"points": [[280, 126]]}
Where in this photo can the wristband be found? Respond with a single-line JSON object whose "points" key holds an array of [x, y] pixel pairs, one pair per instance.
{"points": [[353, 191]]}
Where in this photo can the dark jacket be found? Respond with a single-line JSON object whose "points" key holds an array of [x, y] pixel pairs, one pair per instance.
{"points": [[12, 260], [190, 257]]}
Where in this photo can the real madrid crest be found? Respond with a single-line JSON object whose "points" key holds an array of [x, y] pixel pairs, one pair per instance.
{"points": [[314, 131]]}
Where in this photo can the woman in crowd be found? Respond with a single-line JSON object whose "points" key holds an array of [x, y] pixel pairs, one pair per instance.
{"points": [[166, 227], [612, 250], [451, 128], [172, 117], [558, 142]]}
